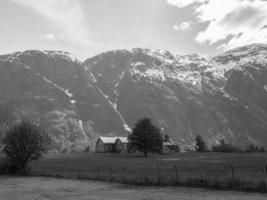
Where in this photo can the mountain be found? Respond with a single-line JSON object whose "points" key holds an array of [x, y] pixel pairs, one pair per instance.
{"points": [[55, 89], [224, 96]]}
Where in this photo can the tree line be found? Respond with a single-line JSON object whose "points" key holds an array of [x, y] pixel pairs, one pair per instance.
{"points": [[25, 141], [146, 137], [223, 146]]}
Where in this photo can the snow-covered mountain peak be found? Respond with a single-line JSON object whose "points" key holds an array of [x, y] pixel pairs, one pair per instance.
{"points": [[62, 55], [219, 97], [17, 56], [244, 55], [246, 50]]}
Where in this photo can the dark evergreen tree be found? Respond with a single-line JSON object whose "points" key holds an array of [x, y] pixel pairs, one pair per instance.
{"points": [[166, 138], [262, 149], [24, 143], [146, 137], [200, 144], [226, 147]]}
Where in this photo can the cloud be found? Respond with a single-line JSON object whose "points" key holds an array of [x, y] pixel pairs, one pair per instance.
{"points": [[235, 22], [183, 3], [184, 26], [49, 37], [67, 15], [52, 37]]}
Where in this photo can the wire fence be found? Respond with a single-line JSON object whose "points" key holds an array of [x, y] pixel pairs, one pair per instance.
{"points": [[224, 177]]}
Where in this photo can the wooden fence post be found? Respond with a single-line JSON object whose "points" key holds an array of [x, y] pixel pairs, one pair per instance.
{"points": [[79, 172], [232, 175], [110, 173], [158, 178], [92, 172], [176, 174], [123, 174], [204, 178], [141, 176], [88, 172]]}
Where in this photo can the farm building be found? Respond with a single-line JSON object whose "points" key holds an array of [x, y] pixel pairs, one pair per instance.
{"points": [[169, 146], [119, 145], [111, 145]]}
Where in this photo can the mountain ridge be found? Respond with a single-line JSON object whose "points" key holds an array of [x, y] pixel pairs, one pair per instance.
{"points": [[217, 97]]}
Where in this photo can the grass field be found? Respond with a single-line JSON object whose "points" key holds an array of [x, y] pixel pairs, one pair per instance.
{"points": [[47, 188], [244, 171]]}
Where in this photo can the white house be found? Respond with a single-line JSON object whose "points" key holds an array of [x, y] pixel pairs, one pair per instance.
{"points": [[169, 147], [119, 145], [111, 145]]}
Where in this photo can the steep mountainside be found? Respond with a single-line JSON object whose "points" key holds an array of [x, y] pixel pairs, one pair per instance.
{"points": [[218, 97], [57, 91]]}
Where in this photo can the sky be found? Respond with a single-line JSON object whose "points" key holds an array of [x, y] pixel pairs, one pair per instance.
{"points": [[88, 27]]}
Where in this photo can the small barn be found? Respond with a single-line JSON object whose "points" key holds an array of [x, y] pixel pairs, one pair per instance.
{"points": [[111, 145], [169, 147], [121, 145]]}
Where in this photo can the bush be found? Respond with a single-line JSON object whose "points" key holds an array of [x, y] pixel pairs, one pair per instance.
{"points": [[24, 143], [226, 148], [87, 149], [200, 144], [7, 168], [255, 148]]}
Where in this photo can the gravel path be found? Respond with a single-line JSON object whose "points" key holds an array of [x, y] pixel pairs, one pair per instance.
{"points": [[40, 188]]}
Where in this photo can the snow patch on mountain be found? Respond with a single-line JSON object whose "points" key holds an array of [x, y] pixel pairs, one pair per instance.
{"points": [[66, 91], [61, 54], [16, 56], [228, 95], [155, 74], [72, 101], [114, 106], [80, 122], [137, 64]]}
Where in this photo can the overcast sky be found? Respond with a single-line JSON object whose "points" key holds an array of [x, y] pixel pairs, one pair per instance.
{"points": [[88, 27]]}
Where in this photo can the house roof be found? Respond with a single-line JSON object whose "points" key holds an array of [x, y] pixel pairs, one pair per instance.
{"points": [[123, 139], [172, 143], [112, 140]]}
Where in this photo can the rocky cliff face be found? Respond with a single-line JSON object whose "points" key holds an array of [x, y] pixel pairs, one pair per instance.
{"points": [[218, 97]]}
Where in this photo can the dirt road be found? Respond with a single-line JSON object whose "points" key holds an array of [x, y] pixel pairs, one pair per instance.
{"points": [[39, 188]]}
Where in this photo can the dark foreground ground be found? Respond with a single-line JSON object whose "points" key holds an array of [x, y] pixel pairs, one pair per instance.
{"points": [[41, 188]]}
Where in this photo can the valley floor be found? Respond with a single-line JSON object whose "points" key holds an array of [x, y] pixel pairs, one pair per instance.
{"points": [[40, 188]]}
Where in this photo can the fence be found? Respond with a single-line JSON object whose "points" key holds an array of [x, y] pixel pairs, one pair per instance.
{"points": [[223, 177]]}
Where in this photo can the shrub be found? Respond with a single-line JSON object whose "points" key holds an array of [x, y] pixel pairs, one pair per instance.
{"points": [[255, 148], [24, 143], [226, 148], [87, 149], [200, 144], [7, 167]]}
